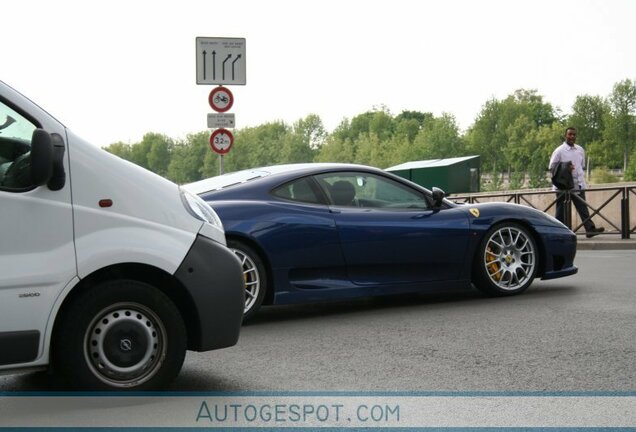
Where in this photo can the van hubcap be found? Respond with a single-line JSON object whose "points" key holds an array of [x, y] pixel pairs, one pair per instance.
{"points": [[125, 344]]}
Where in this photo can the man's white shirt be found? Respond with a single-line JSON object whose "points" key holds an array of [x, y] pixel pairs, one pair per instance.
{"points": [[574, 154]]}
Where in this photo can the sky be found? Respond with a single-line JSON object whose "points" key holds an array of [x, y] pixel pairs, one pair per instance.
{"points": [[114, 70]]}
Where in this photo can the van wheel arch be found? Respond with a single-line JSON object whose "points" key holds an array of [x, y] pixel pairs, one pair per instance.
{"points": [[153, 276]]}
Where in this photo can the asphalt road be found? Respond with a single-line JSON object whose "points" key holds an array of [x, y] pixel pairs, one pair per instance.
{"points": [[571, 334]]}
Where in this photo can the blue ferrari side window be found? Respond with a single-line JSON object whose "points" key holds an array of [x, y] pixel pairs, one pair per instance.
{"points": [[351, 189], [297, 190]]}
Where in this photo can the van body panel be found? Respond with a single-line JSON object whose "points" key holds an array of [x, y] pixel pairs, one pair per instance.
{"points": [[143, 206], [108, 212], [37, 253]]}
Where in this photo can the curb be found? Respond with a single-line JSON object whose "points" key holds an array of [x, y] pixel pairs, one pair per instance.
{"points": [[619, 244]]}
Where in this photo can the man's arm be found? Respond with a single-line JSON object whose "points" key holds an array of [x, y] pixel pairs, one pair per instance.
{"points": [[554, 159], [582, 159]]}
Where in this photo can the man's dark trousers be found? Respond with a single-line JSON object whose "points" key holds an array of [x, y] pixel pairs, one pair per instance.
{"points": [[581, 208]]}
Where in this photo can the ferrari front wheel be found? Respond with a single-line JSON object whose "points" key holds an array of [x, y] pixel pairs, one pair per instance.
{"points": [[506, 261]]}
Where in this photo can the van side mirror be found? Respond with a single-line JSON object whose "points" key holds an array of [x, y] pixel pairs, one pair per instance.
{"points": [[438, 197], [58, 178], [41, 157]]}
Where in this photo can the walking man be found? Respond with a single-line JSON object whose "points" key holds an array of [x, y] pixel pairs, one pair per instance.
{"points": [[571, 152]]}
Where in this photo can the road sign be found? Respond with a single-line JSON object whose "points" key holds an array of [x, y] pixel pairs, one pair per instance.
{"points": [[221, 141], [220, 60], [221, 99], [225, 120]]}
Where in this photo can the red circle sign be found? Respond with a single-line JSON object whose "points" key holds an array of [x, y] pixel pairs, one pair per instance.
{"points": [[221, 99], [221, 141]]}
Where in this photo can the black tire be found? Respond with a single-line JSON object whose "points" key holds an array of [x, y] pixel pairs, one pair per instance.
{"points": [[255, 277], [119, 335], [506, 261]]}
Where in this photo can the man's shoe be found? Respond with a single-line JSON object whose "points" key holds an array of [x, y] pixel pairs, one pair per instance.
{"points": [[594, 232]]}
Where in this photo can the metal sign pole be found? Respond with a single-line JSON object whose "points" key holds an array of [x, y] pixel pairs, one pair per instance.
{"points": [[221, 164]]}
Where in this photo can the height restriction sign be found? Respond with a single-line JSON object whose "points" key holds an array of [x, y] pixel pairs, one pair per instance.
{"points": [[221, 141]]}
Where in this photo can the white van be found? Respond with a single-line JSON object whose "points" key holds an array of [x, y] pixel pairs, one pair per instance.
{"points": [[108, 272]]}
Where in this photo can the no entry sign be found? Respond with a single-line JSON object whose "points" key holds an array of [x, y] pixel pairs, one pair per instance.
{"points": [[221, 99], [221, 141]]}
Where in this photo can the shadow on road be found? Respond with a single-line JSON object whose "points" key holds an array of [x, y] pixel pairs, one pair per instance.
{"points": [[269, 314]]}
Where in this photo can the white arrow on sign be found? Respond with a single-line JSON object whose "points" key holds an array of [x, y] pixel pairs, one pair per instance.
{"points": [[220, 120]]}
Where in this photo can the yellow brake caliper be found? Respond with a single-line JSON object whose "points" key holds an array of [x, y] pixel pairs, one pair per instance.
{"points": [[492, 265]]}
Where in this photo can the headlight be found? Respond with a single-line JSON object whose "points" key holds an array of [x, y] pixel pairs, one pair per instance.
{"points": [[200, 209]]}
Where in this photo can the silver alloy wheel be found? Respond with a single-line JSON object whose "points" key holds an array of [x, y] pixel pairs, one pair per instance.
{"points": [[509, 258], [125, 345], [252, 279]]}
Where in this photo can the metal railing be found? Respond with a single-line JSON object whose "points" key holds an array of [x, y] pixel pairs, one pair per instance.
{"points": [[611, 206]]}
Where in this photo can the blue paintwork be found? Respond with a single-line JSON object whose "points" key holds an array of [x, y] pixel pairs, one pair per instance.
{"points": [[317, 252]]}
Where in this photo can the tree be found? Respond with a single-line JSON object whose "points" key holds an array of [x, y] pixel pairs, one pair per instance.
{"points": [[371, 150], [153, 152], [160, 152], [311, 130], [336, 149], [409, 123], [543, 141], [630, 173], [621, 129], [120, 149], [498, 124], [588, 117], [186, 165], [438, 139]]}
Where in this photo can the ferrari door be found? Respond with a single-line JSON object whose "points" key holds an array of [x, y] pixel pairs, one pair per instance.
{"points": [[390, 233]]}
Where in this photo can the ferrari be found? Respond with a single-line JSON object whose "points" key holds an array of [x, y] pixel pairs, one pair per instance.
{"points": [[315, 232]]}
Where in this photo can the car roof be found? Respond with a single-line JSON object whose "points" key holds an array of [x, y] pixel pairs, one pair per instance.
{"points": [[240, 177]]}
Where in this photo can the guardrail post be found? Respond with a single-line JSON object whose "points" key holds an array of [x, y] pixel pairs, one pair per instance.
{"points": [[625, 222]]}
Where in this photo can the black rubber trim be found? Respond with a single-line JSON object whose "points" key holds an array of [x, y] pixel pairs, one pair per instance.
{"points": [[19, 346], [213, 276]]}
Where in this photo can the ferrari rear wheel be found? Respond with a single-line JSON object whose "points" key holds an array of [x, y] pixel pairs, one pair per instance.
{"points": [[507, 260], [254, 274]]}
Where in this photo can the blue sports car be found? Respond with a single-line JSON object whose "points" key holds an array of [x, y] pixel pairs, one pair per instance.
{"points": [[311, 232]]}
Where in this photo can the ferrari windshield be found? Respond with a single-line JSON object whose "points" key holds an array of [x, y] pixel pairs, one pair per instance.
{"points": [[225, 180]]}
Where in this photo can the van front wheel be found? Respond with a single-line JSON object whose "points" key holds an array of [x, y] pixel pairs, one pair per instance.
{"points": [[120, 335]]}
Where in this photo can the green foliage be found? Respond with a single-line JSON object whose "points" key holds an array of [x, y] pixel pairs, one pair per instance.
{"points": [[409, 123], [589, 114], [187, 158], [153, 152], [517, 180], [620, 133], [502, 131], [438, 139], [515, 135], [491, 182], [337, 150], [545, 140], [602, 175], [630, 173], [120, 149]]}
